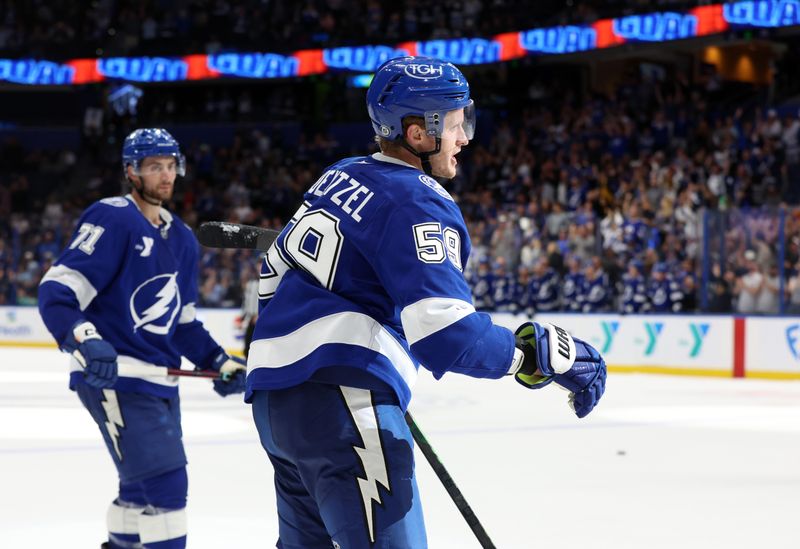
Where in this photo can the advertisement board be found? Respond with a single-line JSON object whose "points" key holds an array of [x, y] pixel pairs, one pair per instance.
{"points": [[23, 327], [698, 345], [768, 347], [772, 347]]}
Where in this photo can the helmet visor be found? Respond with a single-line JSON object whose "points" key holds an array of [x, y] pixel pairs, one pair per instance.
{"points": [[436, 122], [180, 165], [469, 120]]}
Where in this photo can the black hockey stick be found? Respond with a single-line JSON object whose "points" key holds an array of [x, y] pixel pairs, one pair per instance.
{"points": [[449, 484], [218, 234]]}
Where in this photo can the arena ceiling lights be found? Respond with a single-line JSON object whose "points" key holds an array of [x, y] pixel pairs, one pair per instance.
{"points": [[605, 33]]}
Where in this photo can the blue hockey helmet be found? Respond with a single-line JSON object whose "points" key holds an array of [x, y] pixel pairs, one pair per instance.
{"points": [[418, 86], [146, 142]]}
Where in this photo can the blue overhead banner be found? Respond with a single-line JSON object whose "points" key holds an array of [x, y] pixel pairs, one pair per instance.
{"points": [[605, 33]]}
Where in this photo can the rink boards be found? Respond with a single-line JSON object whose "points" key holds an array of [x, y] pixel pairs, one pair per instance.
{"points": [[724, 346]]}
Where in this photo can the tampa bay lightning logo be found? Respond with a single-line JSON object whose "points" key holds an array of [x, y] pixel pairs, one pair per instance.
{"points": [[433, 184], [155, 303], [116, 201]]}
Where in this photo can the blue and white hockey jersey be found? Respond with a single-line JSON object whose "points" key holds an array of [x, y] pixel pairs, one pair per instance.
{"points": [[137, 284], [503, 291], [594, 296], [365, 284], [635, 234], [482, 283], [634, 294], [571, 294], [524, 302], [666, 295], [544, 290]]}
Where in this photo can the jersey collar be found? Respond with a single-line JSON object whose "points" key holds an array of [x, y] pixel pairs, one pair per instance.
{"points": [[166, 217], [380, 157]]}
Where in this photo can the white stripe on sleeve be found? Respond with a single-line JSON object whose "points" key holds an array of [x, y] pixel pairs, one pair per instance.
{"points": [[75, 281], [428, 316]]}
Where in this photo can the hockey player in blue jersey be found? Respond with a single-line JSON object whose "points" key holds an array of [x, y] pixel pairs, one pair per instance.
{"points": [[121, 299], [362, 286]]}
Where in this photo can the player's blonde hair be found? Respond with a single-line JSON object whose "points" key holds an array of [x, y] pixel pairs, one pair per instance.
{"points": [[388, 146]]}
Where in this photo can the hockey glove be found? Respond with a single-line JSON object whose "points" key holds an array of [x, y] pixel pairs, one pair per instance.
{"points": [[96, 356], [233, 372], [552, 355]]}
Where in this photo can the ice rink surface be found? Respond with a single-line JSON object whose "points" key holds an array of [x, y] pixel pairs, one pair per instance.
{"points": [[664, 462]]}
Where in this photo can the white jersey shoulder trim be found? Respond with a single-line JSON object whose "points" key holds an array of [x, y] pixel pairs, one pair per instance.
{"points": [[116, 201], [347, 328], [428, 316], [84, 291], [380, 157]]}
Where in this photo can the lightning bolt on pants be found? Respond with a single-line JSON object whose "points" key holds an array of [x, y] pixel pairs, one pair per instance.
{"points": [[143, 436], [344, 467]]}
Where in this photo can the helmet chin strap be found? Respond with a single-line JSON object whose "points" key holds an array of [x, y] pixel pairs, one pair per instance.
{"points": [[424, 157], [150, 199]]}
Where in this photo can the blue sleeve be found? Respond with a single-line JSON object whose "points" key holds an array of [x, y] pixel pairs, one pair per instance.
{"points": [[83, 270], [59, 310], [193, 341], [418, 259], [191, 338]]}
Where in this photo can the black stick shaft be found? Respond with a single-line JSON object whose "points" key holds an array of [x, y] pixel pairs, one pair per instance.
{"points": [[449, 484], [193, 373], [218, 234]]}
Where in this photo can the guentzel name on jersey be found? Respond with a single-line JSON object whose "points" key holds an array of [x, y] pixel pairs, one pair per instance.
{"points": [[344, 190]]}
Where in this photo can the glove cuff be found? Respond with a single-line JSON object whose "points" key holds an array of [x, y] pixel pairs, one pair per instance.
{"points": [[220, 358], [516, 361], [80, 332], [84, 330]]}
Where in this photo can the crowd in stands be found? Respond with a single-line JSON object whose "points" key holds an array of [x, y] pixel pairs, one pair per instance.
{"points": [[648, 199], [60, 28], [621, 185]]}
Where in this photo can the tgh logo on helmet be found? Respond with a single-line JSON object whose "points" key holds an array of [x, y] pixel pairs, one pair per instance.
{"points": [[423, 71]]}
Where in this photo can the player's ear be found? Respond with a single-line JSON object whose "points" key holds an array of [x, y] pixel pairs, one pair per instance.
{"points": [[415, 134]]}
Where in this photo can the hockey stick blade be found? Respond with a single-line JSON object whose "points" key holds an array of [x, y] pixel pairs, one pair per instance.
{"points": [[218, 234]]}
